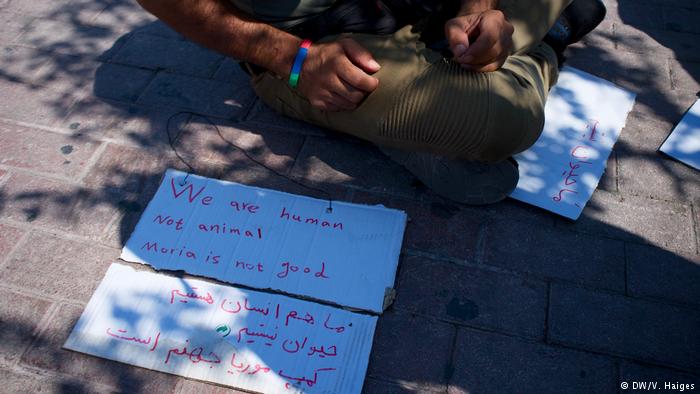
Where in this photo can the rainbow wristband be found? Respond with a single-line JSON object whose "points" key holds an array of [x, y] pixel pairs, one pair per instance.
{"points": [[298, 62]]}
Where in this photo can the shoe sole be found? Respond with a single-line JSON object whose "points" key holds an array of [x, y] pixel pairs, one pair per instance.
{"points": [[466, 182]]}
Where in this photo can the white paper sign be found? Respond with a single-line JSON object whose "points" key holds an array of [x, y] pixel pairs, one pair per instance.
{"points": [[684, 142], [583, 119], [270, 240], [239, 338]]}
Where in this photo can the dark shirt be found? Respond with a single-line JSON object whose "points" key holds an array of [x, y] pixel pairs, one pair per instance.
{"points": [[282, 14]]}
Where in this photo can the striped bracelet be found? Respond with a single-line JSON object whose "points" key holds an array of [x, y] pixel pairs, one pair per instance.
{"points": [[298, 62]]}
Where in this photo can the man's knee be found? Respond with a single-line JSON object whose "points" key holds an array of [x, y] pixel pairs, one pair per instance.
{"points": [[472, 116], [516, 116], [443, 110]]}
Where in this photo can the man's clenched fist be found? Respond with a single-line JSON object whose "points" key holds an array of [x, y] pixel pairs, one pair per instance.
{"points": [[480, 41], [337, 76]]}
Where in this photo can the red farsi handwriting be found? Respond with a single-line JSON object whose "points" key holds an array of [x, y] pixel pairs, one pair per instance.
{"points": [[309, 381], [184, 297], [336, 329], [122, 334], [195, 356]]}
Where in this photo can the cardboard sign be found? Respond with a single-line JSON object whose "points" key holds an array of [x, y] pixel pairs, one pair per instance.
{"points": [[684, 142], [583, 119], [239, 338], [270, 240]]}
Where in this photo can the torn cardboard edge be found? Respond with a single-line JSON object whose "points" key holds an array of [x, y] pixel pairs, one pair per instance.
{"points": [[584, 117], [381, 242], [389, 293], [221, 334], [683, 143]]}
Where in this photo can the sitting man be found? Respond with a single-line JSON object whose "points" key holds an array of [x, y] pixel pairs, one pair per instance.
{"points": [[449, 89]]}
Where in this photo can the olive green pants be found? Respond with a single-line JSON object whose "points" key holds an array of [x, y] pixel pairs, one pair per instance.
{"points": [[427, 103]]}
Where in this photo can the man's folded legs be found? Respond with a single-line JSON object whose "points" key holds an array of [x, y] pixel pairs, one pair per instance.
{"points": [[456, 130]]}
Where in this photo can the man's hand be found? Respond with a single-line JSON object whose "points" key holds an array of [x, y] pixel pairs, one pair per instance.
{"points": [[480, 41], [336, 76]]}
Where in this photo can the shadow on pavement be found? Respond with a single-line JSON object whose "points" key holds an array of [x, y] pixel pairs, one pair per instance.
{"points": [[131, 104]]}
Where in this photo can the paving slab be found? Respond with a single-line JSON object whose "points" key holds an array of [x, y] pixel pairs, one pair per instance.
{"points": [[655, 175], [20, 316], [644, 171], [127, 124], [229, 70], [374, 386], [221, 140], [125, 16], [331, 162], [127, 170], [9, 236], [643, 133], [609, 180], [31, 382], [603, 36], [263, 117], [445, 230], [411, 349], [48, 265], [68, 37], [637, 219], [34, 104], [121, 83], [12, 25], [154, 28], [550, 252], [641, 74], [254, 175], [472, 297], [636, 72], [194, 387], [598, 61], [677, 45], [493, 363], [641, 14], [687, 4], [668, 105], [66, 73], [657, 273], [58, 206], [58, 71], [44, 151], [132, 171], [685, 76], [71, 11], [177, 56], [20, 63], [625, 326], [681, 19], [202, 96]]}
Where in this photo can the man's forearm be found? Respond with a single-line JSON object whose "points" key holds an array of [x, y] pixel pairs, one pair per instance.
{"points": [[217, 25], [475, 6]]}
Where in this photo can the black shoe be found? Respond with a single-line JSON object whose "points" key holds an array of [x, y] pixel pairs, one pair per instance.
{"points": [[577, 20], [467, 182]]}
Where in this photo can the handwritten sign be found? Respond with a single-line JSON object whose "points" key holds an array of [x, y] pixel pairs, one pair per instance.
{"points": [[234, 337], [270, 240], [684, 142], [584, 116]]}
